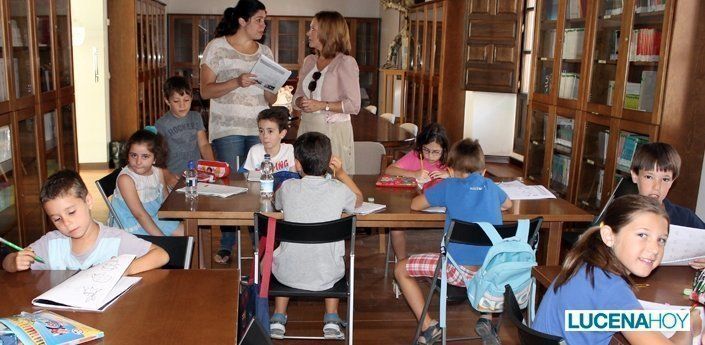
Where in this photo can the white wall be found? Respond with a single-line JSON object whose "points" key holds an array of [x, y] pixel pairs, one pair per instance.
{"points": [[489, 117], [92, 102], [356, 8]]}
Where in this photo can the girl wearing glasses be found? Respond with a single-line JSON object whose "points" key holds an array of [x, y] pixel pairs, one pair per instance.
{"points": [[425, 162], [329, 86], [235, 100]]}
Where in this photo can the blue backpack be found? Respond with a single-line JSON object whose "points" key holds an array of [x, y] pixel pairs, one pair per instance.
{"points": [[509, 261]]}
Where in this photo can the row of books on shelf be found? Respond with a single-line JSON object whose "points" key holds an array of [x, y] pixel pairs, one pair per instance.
{"points": [[564, 131], [603, 139], [645, 45], [577, 9], [640, 96], [628, 144], [569, 85], [573, 43], [646, 6], [560, 169], [612, 7], [3, 79]]}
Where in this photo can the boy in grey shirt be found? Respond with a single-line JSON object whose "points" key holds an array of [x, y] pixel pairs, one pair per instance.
{"points": [[313, 199], [183, 129]]}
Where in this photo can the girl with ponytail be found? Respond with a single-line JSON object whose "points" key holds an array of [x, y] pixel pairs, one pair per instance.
{"points": [[596, 274]]}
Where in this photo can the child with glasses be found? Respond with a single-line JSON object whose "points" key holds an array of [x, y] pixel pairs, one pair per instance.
{"points": [[425, 162]]}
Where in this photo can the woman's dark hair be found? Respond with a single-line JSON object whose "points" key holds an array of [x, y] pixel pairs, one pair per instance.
{"points": [[433, 133], [591, 251], [155, 144], [244, 9]]}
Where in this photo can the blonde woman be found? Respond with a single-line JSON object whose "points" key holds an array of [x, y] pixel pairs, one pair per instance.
{"points": [[329, 86]]}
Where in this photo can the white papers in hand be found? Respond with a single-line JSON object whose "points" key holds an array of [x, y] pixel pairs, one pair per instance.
{"points": [[270, 75], [659, 306], [368, 207], [93, 289], [516, 190], [219, 190], [435, 209], [684, 245]]}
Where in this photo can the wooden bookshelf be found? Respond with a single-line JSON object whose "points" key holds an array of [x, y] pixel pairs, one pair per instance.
{"points": [[622, 63]]}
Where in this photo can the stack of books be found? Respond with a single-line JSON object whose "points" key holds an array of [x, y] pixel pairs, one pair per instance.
{"points": [[569, 85], [646, 6], [628, 144], [560, 170], [640, 96], [645, 45], [573, 43]]}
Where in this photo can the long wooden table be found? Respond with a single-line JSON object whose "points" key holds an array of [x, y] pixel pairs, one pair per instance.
{"points": [[367, 127], [239, 210], [664, 285], [165, 307]]}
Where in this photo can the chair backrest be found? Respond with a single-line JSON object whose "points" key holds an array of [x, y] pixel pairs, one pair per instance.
{"points": [[368, 157], [371, 108], [471, 233], [178, 247], [389, 117], [106, 187], [625, 186], [527, 336], [324, 232], [410, 127], [255, 334]]}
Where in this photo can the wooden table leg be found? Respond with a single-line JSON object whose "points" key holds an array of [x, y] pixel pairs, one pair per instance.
{"points": [[191, 229], [553, 250], [205, 239], [382, 240]]}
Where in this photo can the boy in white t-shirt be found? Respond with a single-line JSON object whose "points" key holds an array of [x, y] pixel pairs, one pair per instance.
{"points": [[272, 124]]}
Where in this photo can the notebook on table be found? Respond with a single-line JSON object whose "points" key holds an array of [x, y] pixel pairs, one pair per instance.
{"points": [[47, 328], [219, 190]]}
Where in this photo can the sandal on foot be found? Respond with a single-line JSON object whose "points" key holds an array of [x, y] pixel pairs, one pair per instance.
{"points": [[430, 335], [277, 326], [487, 332], [332, 327], [222, 256]]}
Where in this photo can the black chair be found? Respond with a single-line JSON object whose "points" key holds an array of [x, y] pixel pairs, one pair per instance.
{"points": [[178, 247], [625, 186], [313, 233], [460, 232], [527, 336], [255, 334], [106, 186]]}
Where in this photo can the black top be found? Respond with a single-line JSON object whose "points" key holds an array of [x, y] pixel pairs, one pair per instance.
{"points": [[682, 216]]}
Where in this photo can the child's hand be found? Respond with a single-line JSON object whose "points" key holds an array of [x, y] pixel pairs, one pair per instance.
{"points": [[24, 259], [696, 323], [698, 264], [439, 174], [422, 175], [336, 164], [246, 79]]}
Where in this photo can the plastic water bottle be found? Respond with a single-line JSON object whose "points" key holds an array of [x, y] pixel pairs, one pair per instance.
{"points": [[191, 180], [266, 180]]}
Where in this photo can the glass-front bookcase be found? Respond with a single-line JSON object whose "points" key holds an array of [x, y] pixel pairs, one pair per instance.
{"points": [[593, 162], [562, 152], [546, 26], [538, 126], [605, 56], [572, 52]]}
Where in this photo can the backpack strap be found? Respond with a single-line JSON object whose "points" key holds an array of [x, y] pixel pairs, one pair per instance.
{"points": [[523, 230], [491, 232]]}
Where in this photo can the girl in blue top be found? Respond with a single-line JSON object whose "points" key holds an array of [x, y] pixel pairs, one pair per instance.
{"points": [[596, 274]]}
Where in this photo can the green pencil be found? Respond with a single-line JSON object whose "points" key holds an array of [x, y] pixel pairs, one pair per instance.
{"points": [[18, 248]]}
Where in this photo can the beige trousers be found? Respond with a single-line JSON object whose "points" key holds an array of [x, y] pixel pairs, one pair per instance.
{"points": [[339, 133]]}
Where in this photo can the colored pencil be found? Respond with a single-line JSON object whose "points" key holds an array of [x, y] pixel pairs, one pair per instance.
{"points": [[18, 248]]}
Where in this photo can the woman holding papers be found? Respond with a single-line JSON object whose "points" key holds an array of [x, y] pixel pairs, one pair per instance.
{"points": [[235, 100], [329, 86]]}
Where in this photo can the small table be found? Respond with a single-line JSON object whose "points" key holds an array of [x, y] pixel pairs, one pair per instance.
{"points": [[665, 285], [239, 210], [165, 307]]}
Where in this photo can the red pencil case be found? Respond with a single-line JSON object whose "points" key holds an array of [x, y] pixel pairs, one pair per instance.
{"points": [[215, 168], [396, 181]]}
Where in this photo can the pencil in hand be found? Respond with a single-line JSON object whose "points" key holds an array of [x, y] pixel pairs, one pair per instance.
{"points": [[18, 248]]}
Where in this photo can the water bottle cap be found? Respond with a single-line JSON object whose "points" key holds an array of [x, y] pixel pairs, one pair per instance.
{"points": [[191, 165], [267, 156]]}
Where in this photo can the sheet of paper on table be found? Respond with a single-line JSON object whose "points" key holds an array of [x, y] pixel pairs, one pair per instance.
{"points": [[516, 190]]}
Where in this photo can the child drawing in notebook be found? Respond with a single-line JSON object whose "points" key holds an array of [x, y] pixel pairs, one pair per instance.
{"points": [[141, 189], [599, 269], [79, 241], [425, 162]]}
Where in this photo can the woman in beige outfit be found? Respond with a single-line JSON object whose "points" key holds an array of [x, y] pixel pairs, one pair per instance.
{"points": [[329, 86]]}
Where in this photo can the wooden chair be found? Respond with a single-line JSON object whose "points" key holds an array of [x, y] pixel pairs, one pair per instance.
{"points": [[389, 117], [369, 157], [410, 127], [527, 336]]}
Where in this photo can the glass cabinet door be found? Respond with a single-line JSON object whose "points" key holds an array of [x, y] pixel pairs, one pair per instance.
{"points": [[68, 137], [8, 210], [537, 145], [183, 40], [32, 218], [572, 52], [51, 138], [562, 153], [21, 58], [592, 166], [288, 47], [604, 68], [43, 28], [4, 82], [63, 42], [365, 33], [546, 45], [644, 55]]}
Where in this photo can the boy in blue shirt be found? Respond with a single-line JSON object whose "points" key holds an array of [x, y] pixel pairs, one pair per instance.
{"points": [[79, 241], [467, 196]]}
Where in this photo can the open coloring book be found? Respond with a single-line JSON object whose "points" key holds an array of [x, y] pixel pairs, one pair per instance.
{"points": [[94, 289]]}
